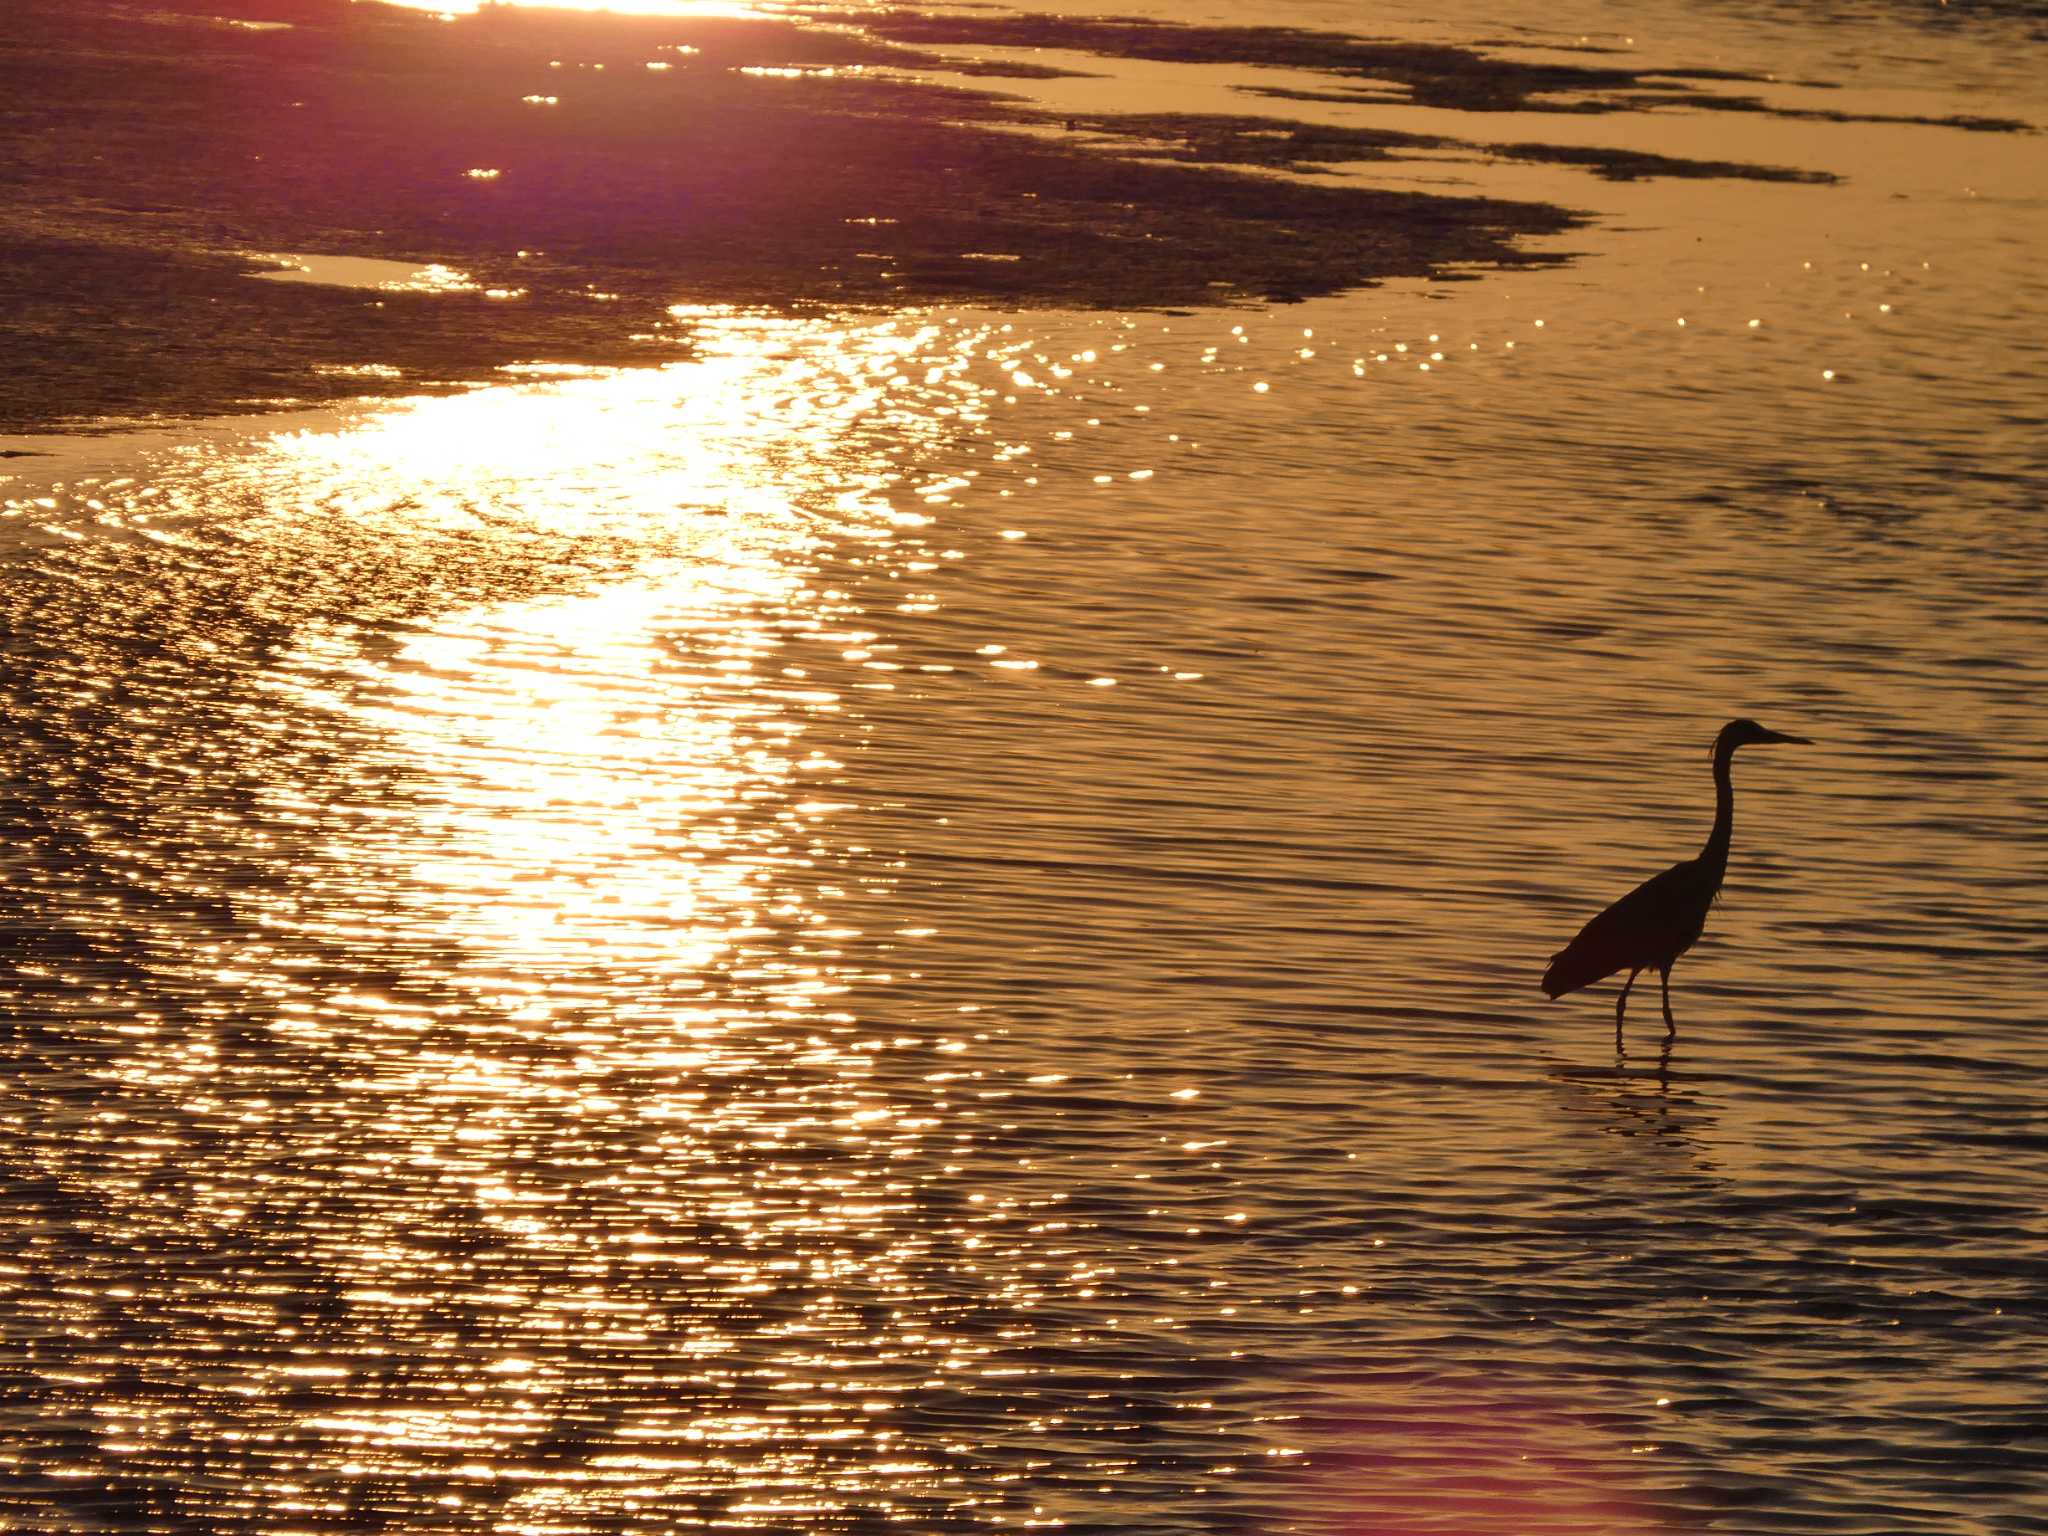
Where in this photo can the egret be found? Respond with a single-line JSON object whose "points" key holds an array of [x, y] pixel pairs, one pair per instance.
{"points": [[1663, 917]]}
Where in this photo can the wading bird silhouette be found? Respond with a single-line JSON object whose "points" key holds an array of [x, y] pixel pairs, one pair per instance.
{"points": [[1664, 916]]}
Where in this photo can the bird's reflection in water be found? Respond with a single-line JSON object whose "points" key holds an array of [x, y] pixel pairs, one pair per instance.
{"points": [[1663, 1053], [1637, 1102]]}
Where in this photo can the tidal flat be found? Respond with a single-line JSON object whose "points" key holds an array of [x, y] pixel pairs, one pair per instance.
{"points": [[583, 175]]}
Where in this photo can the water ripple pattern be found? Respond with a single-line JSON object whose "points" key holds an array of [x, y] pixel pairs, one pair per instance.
{"points": [[931, 922]]}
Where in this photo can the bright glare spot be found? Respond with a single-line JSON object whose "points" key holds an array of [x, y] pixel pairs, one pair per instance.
{"points": [[671, 9]]}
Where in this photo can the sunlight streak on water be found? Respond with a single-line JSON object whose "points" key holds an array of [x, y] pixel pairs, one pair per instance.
{"points": [[497, 1004], [933, 921]]}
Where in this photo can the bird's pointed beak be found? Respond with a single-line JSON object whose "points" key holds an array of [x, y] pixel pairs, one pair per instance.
{"points": [[1769, 736]]}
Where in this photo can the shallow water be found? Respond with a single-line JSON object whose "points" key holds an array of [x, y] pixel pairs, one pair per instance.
{"points": [[932, 920]]}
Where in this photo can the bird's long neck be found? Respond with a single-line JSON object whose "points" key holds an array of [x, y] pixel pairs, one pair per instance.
{"points": [[1715, 854]]}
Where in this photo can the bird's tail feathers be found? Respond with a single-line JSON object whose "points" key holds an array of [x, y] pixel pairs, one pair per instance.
{"points": [[1572, 968]]}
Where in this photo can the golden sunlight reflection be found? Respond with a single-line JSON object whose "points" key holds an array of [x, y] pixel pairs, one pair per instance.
{"points": [[685, 9], [929, 922], [525, 1035], [364, 272], [573, 813]]}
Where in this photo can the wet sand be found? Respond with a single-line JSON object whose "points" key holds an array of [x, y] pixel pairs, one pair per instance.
{"points": [[586, 173]]}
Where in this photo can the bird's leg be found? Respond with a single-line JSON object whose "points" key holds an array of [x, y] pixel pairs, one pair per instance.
{"points": [[1670, 1024], [1621, 1006]]}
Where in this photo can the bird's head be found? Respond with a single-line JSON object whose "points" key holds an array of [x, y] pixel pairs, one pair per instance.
{"points": [[1747, 733]]}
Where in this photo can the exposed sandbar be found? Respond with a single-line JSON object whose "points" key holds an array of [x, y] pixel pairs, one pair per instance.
{"points": [[579, 193]]}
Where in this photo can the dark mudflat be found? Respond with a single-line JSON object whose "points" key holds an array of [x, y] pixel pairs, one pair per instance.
{"points": [[149, 150]]}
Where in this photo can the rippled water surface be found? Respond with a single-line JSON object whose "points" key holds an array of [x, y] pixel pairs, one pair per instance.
{"points": [[931, 921]]}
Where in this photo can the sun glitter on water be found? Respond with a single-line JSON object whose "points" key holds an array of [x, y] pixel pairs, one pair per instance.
{"points": [[539, 919], [689, 10]]}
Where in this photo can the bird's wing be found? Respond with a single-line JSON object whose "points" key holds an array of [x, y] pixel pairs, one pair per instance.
{"points": [[1629, 935], [1658, 899]]}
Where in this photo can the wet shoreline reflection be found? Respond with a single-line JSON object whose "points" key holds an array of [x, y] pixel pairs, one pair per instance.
{"points": [[479, 1130], [928, 921]]}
